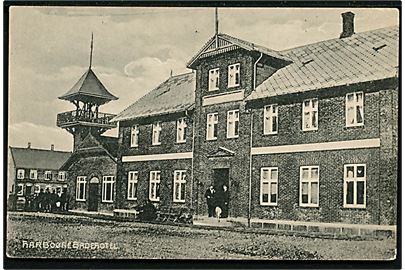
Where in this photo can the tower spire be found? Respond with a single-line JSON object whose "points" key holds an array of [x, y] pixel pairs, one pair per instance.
{"points": [[91, 50], [216, 27]]}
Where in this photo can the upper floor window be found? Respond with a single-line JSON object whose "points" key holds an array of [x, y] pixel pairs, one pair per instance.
{"points": [[212, 126], [108, 189], [62, 176], [179, 186], [48, 175], [269, 186], [156, 129], [310, 114], [20, 173], [134, 135], [354, 186], [233, 124], [270, 120], [154, 186], [234, 75], [33, 174], [309, 186], [354, 109], [81, 188], [213, 79], [132, 185], [181, 130]]}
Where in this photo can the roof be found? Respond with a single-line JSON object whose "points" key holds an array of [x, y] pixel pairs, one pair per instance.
{"points": [[363, 57], [30, 158], [89, 85], [174, 95]]}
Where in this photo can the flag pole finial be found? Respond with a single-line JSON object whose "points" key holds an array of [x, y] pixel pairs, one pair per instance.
{"points": [[91, 50]]}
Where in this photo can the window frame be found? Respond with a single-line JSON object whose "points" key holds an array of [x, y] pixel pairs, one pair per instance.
{"points": [[214, 124], [234, 73], [215, 77], [35, 174], [156, 181], [81, 180], [22, 175], [181, 126], [270, 115], [269, 181], [62, 173], [311, 110], [20, 193], [235, 123], [134, 133], [355, 179], [156, 129], [309, 181], [134, 182], [355, 104], [182, 184], [107, 180], [46, 174]]}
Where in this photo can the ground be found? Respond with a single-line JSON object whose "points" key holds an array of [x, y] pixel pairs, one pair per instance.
{"points": [[140, 240]]}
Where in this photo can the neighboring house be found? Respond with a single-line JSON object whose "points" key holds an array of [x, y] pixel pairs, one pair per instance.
{"points": [[32, 170]]}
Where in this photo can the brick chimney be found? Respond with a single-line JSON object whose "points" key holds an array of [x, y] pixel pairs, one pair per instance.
{"points": [[348, 24], [52, 147], [29, 145]]}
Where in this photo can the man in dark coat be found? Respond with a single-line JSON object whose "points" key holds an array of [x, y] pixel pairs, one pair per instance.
{"points": [[210, 196], [225, 201]]}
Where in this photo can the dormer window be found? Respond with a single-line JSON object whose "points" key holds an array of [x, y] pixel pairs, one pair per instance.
{"points": [[134, 135], [48, 175], [181, 130], [33, 174], [234, 75], [20, 174], [213, 79], [156, 128]]}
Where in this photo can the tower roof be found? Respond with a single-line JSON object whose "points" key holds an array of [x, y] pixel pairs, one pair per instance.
{"points": [[89, 88]]}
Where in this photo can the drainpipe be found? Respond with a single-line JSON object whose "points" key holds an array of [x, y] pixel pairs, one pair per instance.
{"points": [[192, 160], [250, 168], [255, 70]]}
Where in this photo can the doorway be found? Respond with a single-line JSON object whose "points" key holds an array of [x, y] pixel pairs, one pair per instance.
{"points": [[221, 178], [93, 194]]}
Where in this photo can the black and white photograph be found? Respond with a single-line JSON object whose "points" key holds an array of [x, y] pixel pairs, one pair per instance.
{"points": [[202, 133]]}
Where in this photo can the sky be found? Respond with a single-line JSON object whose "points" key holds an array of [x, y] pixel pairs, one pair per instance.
{"points": [[135, 49]]}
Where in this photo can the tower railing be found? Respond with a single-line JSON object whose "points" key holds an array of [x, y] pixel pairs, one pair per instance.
{"points": [[75, 116]]}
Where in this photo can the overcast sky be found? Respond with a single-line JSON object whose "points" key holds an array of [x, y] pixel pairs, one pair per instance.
{"points": [[134, 50]]}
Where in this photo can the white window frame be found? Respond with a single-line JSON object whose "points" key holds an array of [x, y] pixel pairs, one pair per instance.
{"points": [[310, 110], [48, 175], [108, 180], [354, 104], [81, 180], [132, 185], [310, 180], [354, 179], [37, 188], [270, 114], [20, 173], [20, 193], [233, 71], [154, 185], [156, 130], [268, 181], [211, 126], [213, 79], [33, 174], [179, 178], [134, 136], [61, 175], [232, 123], [181, 126]]}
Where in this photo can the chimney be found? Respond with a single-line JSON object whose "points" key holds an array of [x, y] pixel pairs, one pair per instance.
{"points": [[52, 147], [348, 24], [29, 145]]}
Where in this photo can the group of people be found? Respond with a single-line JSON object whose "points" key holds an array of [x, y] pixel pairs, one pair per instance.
{"points": [[47, 201], [217, 201]]}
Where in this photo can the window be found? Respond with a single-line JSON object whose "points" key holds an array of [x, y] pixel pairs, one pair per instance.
{"points": [[213, 79], [62, 176], [132, 185], [179, 186], [233, 75], [154, 186], [81, 188], [354, 186], [310, 114], [20, 174], [33, 174], [48, 175], [108, 189], [233, 124], [270, 119], [212, 126], [28, 189], [269, 186], [156, 128], [37, 188], [181, 130], [354, 109], [20, 189], [134, 136], [309, 186]]}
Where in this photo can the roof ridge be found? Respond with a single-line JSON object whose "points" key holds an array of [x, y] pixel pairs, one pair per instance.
{"points": [[38, 149]]}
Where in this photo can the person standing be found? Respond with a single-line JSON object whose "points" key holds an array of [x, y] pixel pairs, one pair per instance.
{"points": [[210, 196], [225, 201]]}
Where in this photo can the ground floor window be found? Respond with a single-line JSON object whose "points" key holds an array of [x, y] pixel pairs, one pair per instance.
{"points": [[179, 186], [269, 186], [108, 189], [309, 186], [20, 189], [154, 186], [354, 186], [81, 188], [132, 185]]}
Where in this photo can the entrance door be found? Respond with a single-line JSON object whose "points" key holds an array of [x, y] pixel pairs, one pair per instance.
{"points": [[221, 178], [93, 194]]}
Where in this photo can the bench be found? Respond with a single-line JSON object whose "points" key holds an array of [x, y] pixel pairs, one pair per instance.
{"points": [[125, 214]]}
